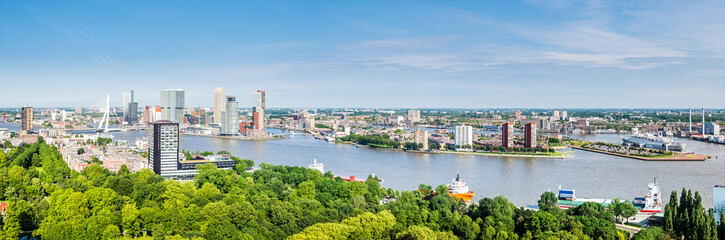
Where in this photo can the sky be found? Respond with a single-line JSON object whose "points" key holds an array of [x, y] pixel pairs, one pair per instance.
{"points": [[381, 54]]}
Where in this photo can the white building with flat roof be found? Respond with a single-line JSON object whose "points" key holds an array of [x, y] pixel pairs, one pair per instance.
{"points": [[463, 137]]}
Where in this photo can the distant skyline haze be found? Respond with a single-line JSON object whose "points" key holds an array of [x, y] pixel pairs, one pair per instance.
{"points": [[377, 54]]}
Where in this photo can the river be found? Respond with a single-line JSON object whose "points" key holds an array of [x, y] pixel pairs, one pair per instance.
{"points": [[522, 180]]}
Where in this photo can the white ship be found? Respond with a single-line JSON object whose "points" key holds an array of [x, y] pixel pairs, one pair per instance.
{"points": [[652, 202], [652, 141], [315, 165]]}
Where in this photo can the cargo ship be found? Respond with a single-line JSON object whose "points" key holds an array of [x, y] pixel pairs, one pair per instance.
{"points": [[459, 190], [651, 203], [654, 142]]}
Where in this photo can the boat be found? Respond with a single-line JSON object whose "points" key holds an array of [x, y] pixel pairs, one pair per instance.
{"points": [[568, 199], [652, 141], [652, 202], [459, 190], [318, 166]]}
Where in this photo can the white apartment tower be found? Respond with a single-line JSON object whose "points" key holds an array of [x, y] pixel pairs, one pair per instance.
{"points": [[219, 104], [464, 136]]}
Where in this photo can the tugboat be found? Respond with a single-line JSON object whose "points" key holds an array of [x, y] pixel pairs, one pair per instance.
{"points": [[458, 190], [651, 203]]}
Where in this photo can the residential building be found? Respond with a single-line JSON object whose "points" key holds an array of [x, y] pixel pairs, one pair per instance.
{"points": [[463, 137], [172, 105], [420, 136], [219, 105], [163, 154], [530, 135], [163, 149], [258, 107], [26, 119], [414, 115], [507, 135]]}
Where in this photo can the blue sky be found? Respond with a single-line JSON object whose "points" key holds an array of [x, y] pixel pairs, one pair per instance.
{"points": [[465, 54]]}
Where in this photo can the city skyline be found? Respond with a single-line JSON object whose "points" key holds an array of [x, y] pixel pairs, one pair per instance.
{"points": [[524, 54]]}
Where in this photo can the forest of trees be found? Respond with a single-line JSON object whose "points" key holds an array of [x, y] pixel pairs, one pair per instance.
{"points": [[51, 201]]}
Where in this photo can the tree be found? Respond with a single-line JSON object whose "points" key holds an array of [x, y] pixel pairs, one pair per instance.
{"points": [[547, 200], [81, 151]]}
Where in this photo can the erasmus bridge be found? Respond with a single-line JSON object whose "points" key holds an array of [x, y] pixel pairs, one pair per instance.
{"points": [[103, 123]]}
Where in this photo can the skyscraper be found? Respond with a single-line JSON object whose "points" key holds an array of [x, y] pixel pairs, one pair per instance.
{"points": [[219, 104], [463, 137], [258, 109], [163, 148], [26, 119], [230, 125], [507, 134], [127, 98], [172, 105], [530, 135]]}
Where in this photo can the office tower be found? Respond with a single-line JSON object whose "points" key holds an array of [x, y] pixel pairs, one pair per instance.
{"points": [[172, 105], [231, 116], [219, 104], [414, 115], [127, 98], [463, 136], [258, 109], [703, 121], [563, 114], [26, 119], [163, 148], [131, 114], [556, 114], [421, 137], [530, 135], [507, 135]]}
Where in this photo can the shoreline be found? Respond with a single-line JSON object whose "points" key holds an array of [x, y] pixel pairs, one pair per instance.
{"points": [[696, 157], [461, 153], [236, 138]]}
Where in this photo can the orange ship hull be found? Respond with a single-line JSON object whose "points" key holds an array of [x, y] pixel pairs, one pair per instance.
{"points": [[465, 196]]}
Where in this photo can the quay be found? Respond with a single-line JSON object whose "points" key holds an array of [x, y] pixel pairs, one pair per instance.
{"points": [[691, 157]]}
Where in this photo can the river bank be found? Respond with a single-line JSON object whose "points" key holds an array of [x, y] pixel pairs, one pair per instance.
{"points": [[243, 138], [693, 157]]}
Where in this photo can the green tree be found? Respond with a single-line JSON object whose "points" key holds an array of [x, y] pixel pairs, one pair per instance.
{"points": [[547, 200]]}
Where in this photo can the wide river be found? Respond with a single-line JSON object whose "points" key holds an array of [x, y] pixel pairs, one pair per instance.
{"points": [[521, 180]]}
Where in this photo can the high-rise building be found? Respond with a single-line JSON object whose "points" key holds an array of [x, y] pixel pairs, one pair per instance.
{"points": [[463, 137], [147, 115], [421, 137], [258, 107], [163, 148], [130, 108], [530, 135], [131, 114], [414, 115], [219, 104], [556, 114], [26, 119], [563, 114], [230, 125], [172, 105], [127, 98], [507, 135]]}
